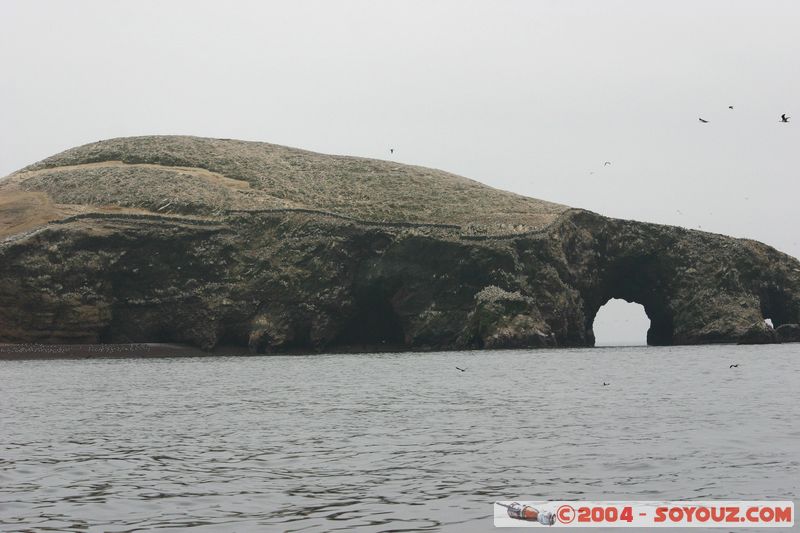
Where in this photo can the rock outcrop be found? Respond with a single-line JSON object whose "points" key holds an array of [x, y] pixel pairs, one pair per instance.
{"points": [[210, 242], [788, 333]]}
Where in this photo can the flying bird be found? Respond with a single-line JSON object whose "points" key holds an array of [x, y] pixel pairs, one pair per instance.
{"points": [[784, 118], [730, 107], [704, 121], [462, 369], [734, 366], [606, 384], [606, 163]]}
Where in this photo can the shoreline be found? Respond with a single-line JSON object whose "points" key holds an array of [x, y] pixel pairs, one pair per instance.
{"points": [[144, 350], [12, 352]]}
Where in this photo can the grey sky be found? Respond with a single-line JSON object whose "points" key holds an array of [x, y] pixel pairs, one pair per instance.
{"points": [[528, 96]]}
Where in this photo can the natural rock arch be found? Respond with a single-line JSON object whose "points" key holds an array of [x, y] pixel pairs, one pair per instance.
{"points": [[661, 327], [636, 279]]}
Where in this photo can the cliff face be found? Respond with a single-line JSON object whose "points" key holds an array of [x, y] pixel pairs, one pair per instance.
{"points": [[208, 242]]}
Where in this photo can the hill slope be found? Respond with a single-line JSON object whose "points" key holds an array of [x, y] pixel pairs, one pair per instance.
{"points": [[198, 176]]}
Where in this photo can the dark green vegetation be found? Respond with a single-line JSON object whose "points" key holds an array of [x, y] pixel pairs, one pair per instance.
{"points": [[208, 242]]}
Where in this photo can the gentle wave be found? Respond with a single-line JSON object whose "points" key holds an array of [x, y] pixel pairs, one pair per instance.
{"points": [[400, 442]]}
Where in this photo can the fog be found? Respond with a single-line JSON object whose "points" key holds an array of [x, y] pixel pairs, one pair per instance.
{"points": [[527, 96]]}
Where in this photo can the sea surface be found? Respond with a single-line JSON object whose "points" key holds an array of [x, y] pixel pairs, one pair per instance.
{"points": [[389, 442]]}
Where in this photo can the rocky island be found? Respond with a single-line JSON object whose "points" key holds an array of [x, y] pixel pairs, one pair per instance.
{"points": [[211, 242]]}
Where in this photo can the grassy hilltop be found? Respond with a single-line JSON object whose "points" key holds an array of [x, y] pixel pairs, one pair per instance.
{"points": [[198, 176]]}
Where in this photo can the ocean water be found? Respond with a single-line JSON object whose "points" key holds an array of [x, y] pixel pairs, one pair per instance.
{"points": [[389, 442]]}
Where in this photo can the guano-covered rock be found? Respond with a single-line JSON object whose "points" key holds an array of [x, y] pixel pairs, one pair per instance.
{"points": [[219, 242]]}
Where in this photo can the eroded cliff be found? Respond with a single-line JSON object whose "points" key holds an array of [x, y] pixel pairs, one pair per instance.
{"points": [[209, 242]]}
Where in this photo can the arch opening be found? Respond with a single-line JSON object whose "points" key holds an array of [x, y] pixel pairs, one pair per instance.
{"points": [[636, 279], [621, 323], [776, 306]]}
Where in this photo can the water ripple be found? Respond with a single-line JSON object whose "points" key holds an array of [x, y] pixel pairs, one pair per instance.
{"points": [[392, 442]]}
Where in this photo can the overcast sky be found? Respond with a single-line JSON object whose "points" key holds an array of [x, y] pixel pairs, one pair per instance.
{"points": [[528, 96]]}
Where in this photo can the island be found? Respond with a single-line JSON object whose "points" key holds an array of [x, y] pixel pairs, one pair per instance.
{"points": [[220, 242]]}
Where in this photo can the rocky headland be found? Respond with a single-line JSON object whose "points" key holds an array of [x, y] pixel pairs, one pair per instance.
{"points": [[214, 242]]}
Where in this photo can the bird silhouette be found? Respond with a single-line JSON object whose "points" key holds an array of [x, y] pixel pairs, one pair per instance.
{"points": [[462, 369], [704, 121], [730, 107], [734, 366], [784, 118], [606, 384], [606, 163], [391, 150]]}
